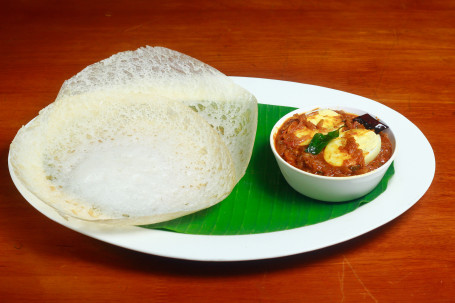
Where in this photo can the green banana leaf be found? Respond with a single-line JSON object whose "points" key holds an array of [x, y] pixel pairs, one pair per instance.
{"points": [[262, 201]]}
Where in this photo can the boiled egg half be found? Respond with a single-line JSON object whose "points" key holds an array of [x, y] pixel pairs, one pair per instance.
{"points": [[331, 121], [369, 142]]}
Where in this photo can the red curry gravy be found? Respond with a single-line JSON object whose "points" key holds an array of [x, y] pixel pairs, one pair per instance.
{"points": [[289, 147]]}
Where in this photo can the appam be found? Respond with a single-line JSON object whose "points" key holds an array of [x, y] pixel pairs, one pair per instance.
{"points": [[139, 138], [228, 107]]}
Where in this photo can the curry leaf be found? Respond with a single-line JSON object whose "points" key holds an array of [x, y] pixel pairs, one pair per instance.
{"points": [[319, 141]]}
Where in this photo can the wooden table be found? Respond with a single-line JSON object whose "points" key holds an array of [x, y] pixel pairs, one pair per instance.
{"points": [[399, 53]]}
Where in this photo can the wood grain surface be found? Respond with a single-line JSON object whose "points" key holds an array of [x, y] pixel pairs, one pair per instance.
{"points": [[400, 53]]}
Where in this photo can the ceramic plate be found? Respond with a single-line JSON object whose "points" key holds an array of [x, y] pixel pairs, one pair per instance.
{"points": [[404, 190]]}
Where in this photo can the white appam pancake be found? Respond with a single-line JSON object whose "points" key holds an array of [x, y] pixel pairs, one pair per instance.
{"points": [[122, 158], [229, 108]]}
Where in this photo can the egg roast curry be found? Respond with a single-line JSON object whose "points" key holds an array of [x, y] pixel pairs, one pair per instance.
{"points": [[357, 148]]}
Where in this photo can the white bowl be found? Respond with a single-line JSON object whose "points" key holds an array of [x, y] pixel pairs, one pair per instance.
{"points": [[331, 189]]}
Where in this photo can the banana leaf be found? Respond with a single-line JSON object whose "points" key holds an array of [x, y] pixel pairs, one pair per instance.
{"points": [[262, 201]]}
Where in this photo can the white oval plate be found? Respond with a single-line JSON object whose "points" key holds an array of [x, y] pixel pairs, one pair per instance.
{"points": [[404, 189]]}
